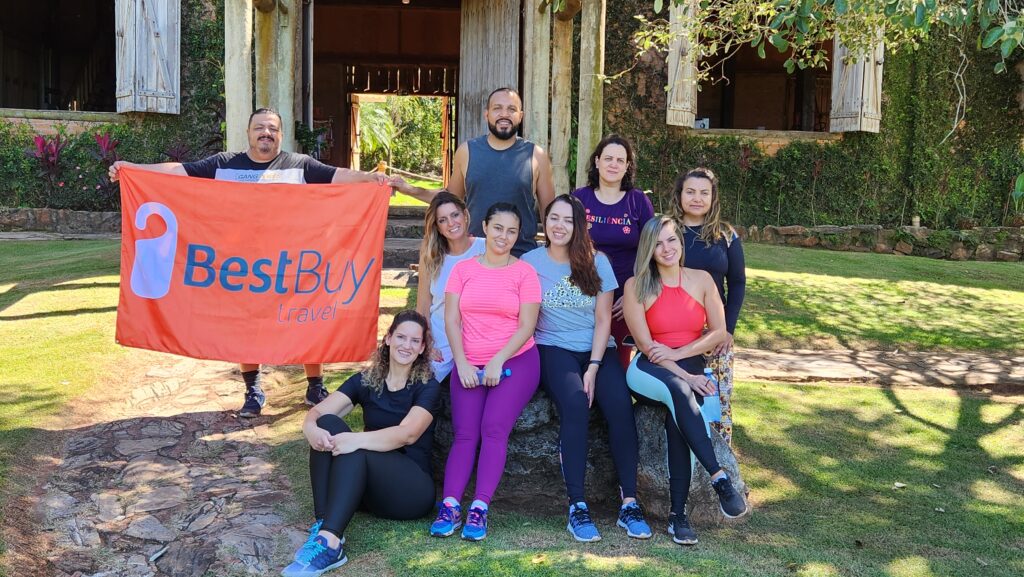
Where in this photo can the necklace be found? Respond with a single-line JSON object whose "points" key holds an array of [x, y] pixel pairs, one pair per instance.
{"points": [[483, 260]]}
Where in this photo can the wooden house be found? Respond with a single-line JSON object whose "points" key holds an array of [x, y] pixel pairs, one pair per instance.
{"points": [[313, 59]]}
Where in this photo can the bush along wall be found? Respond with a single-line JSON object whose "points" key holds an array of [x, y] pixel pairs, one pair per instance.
{"points": [[906, 170], [68, 171]]}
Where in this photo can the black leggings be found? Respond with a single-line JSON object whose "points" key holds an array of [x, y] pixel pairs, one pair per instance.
{"points": [[684, 423], [388, 484], [562, 378]]}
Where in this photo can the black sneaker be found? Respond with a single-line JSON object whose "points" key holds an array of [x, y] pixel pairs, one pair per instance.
{"points": [[731, 502], [255, 398], [679, 528], [315, 394]]}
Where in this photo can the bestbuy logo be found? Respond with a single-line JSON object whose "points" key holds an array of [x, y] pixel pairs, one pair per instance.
{"points": [[303, 273]]}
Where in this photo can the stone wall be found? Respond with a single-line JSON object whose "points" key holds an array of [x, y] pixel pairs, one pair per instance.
{"points": [[988, 243], [59, 221]]}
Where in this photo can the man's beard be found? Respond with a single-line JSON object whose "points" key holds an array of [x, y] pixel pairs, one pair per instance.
{"points": [[503, 134]]}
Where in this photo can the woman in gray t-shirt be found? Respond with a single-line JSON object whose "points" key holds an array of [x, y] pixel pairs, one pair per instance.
{"points": [[579, 364], [446, 242]]}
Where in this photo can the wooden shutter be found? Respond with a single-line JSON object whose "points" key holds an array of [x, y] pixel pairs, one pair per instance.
{"points": [[148, 45], [682, 68], [856, 90]]}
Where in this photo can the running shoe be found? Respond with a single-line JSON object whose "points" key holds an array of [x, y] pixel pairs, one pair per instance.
{"points": [[730, 501], [581, 526], [631, 518], [449, 519], [679, 528], [476, 524], [315, 558], [314, 530], [315, 393], [255, 398]]}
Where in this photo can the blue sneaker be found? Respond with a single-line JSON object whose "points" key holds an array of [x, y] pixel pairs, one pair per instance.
{"points": [[449, 519], [315, 558], [631, 518], [255, 398], [581, 526], [314, 529], [476, 524]]}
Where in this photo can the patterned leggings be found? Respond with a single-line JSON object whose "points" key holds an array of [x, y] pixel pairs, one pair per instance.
{"points": [[722, 365]]}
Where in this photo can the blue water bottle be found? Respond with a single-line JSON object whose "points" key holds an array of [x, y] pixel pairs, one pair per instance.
{"points": [[504, 373], [712, 407]]}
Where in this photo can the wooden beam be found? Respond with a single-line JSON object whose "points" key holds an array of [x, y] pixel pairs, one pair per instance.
{"points": [[536, 70], [237, 71], [591, 111], [561, 103]]}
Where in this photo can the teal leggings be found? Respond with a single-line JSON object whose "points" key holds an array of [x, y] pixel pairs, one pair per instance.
{"points": [[685, 428]]}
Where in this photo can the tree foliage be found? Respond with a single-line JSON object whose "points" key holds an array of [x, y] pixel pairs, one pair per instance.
{"points": [[799, 28]]}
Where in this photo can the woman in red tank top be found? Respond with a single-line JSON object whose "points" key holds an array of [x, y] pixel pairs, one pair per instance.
{"points": [[675, 314]]}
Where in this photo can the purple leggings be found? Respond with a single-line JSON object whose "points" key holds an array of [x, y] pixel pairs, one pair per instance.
{"points": [[488, 413]]}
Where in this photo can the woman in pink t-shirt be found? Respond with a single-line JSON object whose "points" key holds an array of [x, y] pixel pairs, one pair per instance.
{"points": [[491, 307]]}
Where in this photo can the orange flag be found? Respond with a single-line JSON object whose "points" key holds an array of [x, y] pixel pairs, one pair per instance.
{"points": [[252, 273]]}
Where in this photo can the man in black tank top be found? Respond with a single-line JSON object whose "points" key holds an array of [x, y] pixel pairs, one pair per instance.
{"points": [[263, 162], [499, 167]]}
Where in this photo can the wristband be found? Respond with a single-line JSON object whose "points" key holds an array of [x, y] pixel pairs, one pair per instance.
{"points": [[595, 362]]}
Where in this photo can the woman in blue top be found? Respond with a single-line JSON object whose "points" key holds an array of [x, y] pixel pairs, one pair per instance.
{"points": [[579, 364], [712, 245], [446, 242], [386, 468]]}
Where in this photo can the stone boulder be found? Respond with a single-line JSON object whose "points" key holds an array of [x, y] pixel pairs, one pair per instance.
{"points": [[533, 477]]}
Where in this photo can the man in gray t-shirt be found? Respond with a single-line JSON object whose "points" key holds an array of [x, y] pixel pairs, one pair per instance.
{"points": [[499, 167]]}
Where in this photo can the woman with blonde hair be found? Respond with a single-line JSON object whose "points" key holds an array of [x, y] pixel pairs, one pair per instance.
{"points": [[446, 243], [675, 314], [712, 245], [386, 468]]}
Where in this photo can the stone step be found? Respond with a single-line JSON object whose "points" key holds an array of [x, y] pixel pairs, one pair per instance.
{"points": [[401, 252], [404, 228], [407, 212]]}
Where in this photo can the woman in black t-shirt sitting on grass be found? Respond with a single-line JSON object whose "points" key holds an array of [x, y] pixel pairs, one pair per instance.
{"points": [[385, 469]]}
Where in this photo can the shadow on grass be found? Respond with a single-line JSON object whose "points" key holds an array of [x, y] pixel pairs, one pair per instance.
{"points": [[35, 267], [828, 473]]}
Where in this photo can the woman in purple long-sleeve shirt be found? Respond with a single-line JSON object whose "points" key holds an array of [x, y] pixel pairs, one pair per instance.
{"points": [[616, 212]]}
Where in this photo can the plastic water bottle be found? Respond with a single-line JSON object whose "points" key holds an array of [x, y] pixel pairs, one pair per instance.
{"points": [[504, 373], [712, 407]]}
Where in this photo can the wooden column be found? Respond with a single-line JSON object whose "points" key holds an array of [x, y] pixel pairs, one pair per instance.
{"points": [[536, 70], [237, 71], [561, 103], [591, 112], [276, 70], [488, 58]]}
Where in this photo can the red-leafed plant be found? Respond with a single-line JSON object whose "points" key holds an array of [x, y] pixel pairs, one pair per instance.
{"points": [[47, 151], [106, 154]]}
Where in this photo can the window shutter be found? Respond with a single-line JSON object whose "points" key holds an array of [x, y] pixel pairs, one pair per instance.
{"points": [[148, 46], [682, 68], [856, 90]]}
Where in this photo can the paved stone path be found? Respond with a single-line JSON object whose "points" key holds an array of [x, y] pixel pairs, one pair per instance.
{"points": [[886, 368], [179, 486], [172, 483]]}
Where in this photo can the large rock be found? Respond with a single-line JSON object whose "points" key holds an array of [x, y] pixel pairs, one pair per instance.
{"points": [[533, 477]]}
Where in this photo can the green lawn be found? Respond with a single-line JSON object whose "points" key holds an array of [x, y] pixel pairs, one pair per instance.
{"points": [[822, 463], [400, 199], [57, 309], [821, 460], [800, 298]]}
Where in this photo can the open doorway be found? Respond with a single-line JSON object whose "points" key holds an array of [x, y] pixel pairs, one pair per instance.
{"points": [[57, 55], [365, 53]]}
